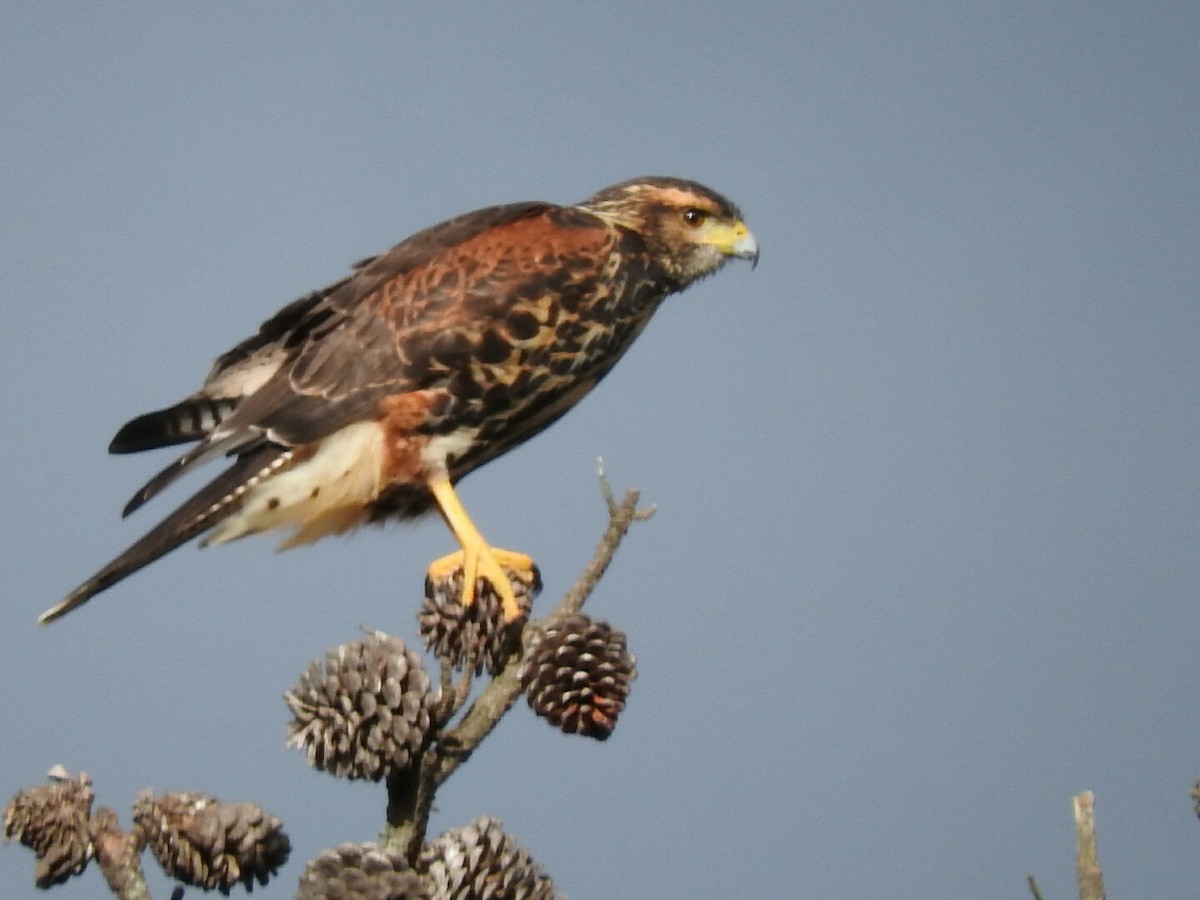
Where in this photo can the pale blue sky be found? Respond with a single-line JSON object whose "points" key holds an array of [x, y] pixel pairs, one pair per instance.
{"points": [[927, 551]]}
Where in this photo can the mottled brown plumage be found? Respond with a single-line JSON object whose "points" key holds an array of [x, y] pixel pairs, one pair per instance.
{"points": [[371, 398]]}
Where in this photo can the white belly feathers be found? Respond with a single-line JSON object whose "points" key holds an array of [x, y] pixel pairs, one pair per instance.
{"points": [[324, 494]]}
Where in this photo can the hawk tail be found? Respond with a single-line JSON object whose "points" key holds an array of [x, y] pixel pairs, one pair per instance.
{"points": [[204, 451], [214, 502], [188, 420]]}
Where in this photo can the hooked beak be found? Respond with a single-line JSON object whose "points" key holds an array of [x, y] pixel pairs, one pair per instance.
{"points": [[744, 246]]}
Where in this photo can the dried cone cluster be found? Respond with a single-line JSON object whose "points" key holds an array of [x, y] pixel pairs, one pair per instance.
{"points": [[482, 862], [203, 842], [52, 820], [474, 636], [361, 872], [364, 712], [578, 676]]}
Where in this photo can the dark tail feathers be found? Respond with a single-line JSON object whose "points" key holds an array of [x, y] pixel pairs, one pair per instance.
{"points": [[186, 421], [209, 506]]}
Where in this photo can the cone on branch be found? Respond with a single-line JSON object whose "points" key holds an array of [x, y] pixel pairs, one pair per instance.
{"points": [[578, 675], [361, 872], [53, 821], [364, 711], [208, 844], [474, 636], [483, 862]]}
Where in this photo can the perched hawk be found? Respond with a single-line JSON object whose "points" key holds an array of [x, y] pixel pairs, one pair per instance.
{"points": [[373, 397]]}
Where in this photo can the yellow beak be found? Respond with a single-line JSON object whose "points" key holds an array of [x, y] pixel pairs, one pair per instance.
{"points": [[735, 239], [744, 245]]}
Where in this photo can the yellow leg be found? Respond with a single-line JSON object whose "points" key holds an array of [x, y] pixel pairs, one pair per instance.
{"points": [[477, 559]]}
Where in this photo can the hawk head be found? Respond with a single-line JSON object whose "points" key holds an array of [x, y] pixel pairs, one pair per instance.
{"points": [[690, 230]]}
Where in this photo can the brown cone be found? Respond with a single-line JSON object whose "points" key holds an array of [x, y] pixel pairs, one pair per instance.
{"points": [[474, 636], [52, 820], [364, 712], [482, 862], [361, 872], [203, 842], [578, 676]]}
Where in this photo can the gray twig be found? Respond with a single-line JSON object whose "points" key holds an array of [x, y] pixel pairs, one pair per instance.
{"points": [[1091, 883]]}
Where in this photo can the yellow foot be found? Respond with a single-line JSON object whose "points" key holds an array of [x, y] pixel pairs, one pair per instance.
{"points": [[490, 564]]}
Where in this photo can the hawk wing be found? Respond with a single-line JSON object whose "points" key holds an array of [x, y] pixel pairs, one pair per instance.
{"points": [[321, 363]]}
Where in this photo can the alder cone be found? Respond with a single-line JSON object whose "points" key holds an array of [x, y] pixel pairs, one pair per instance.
{"points": [[361, 872], [209, 844], [365, 711], [578, 676], [53, 821], [482, 862], [474, 636]]}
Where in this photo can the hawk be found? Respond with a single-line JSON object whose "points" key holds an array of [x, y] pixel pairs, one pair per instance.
{"points": [[371, 398]]}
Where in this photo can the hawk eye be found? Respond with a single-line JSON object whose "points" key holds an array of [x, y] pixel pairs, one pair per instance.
{"points": [[694, 217]]}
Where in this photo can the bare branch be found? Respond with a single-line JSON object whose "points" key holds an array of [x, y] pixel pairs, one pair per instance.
{"points": [[446, 705], [620, 518], [462, 690], [606, 489], [410, 799], [119, 856], [1091, 883]]}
